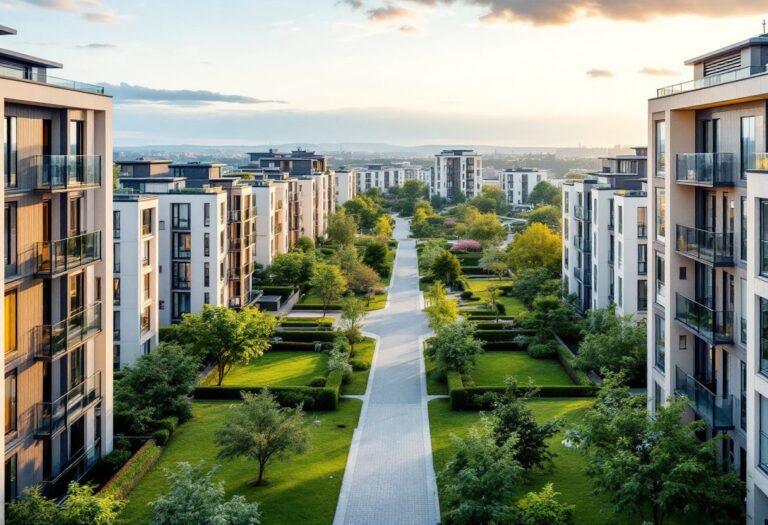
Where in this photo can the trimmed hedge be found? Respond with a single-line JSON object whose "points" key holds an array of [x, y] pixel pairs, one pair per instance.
{"points": [[466, 398], [314, 398], [310, 323], [306, 335], [473, 270], [454, 381], [283, 291], [498, 335], [317, 306], [161, 436], [296, 346], [134, 470], [566, 361]]}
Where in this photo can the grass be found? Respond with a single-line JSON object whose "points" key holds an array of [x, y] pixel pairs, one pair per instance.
{"points": [[378, 302], [363, 351], [277, 369], [434, 386], [493, 367], [480, 286], [304, 490], [568, 474]]}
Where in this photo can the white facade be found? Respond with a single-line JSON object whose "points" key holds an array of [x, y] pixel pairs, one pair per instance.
{"points": [[381, 177], [630, 276], [136, 280], [455, 172], [346, 186], [271, 222], [518, 183]]}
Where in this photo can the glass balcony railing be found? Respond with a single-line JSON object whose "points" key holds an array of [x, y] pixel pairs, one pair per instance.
{"points": [[716, 410], [583, 275], [707, 246], [74, 470], [583, 243], [581, 213], [51, 418], [64, 172], [705, 169], [61, 256], [714, 326], [19, 74], [712, 80], [54, 340]]}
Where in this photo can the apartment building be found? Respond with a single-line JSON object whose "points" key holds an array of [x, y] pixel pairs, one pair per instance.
{"points": [[271, 219], [416, 173], [57, 191], [378, 176], [135, 288], [708, 323], [346, 185], [518, 183], [456, 172]]}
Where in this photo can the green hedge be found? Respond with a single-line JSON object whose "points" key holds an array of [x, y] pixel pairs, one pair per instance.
{"points": [[306, 335], [296, 346], [314, 398], [485, 316], [466, 398], [473, 270], [316, 306], [310, 323], [497, 335], [566, 361], [334, 380], [130, 474], [454, 381]]}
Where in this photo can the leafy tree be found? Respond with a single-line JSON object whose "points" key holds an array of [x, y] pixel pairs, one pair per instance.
{"points": [[342, 227], [195, 497], [441, 310], [614, 343], [494, 261], [491, 298], [158, 385], [305, 244], [545, 193], [365, 210], [549, 216], [446, 268], [375, 256], [353, 312], [543, 508], [32, 508], [486, 228], [490, 200], [643, 463], [287, 268], [536, 247], [465, 212], [550, 316], [329, 284], [384, 228], [534, 282], [260, 430], [226, 337], [347, 258], [479, 480], [364, 279], [454, 347], [424, 205], [338, 358], [437, 202], [413, 190], [83, 507], [430, 251], [484, 204]]}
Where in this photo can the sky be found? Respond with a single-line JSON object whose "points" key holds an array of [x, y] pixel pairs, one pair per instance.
{"points": [[493, 72]]}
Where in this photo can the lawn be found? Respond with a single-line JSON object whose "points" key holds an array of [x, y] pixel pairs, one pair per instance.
{"points": [[434, 387], [277, 369], [493, 367], [480, 286], [363, 351], [378, 302], [568, 475], [304, 490]]}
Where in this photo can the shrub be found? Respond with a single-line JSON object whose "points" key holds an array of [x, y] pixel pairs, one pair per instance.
{"points": [[319, 399], [346, 377], [467, 295], [474, 398], [466, 245], [306, 336], [169, 423], [161, 436], [317, 381], [540, 350], [359, 365], [169, 334], [114, 460], [126, 479]]}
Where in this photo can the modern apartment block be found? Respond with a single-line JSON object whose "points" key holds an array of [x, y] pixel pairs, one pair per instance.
{"points": [[57, 156], [518, 183], [346, 185], [456, 172], [380, 177], [271, 219], [708, 323], [135, 289]]}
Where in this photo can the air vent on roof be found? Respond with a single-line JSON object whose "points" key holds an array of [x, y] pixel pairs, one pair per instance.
{"points": [[722, 65]]}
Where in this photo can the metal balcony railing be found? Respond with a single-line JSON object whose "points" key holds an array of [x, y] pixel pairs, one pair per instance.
{"points": [[581, 213], [583, 275], [236, 274], [712, 80], [714, 326], [64, 172], [31, 76], [710, 247], [74, 470], [583, 243], [55, 340], [51, 418], [54, 257], [705, 169], [716, 410]]}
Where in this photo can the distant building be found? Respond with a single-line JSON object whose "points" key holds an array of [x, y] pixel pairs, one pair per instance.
{"points": [[457, 172], [518, 183], [346, 185]]}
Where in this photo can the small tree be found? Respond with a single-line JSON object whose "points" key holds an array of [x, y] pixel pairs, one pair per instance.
{"points": [[353, 312], [347, 258], [305, 244], [375, 256], [536, 247], [550, 316], [430, 251], [83, 507], [454, 347], [549, 216], [532, 283], [226, 337], [286, 268], [329, 284], [446, 268], [32, 508], [441, 310], [260, 430], [494, 261], [545, 193], [543, 508], [342, 227], [491, 300], [487, 229], [195, 497], [383, 228], [364, 279]]}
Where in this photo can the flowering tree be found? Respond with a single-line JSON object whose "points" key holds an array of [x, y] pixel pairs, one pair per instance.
{"points": [[466, 246]]}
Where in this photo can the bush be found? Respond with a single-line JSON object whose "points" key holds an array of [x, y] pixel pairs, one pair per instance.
{"points": [[359, 365], [474, 398], [126, 479], [496, 335], [297, 346], [113, 461], [566, 361], [324, 336], [317, 399], [161, 436], [501, 308], [169, 423], [540, 350], [317, 381], [334, 380], [467, 295], [169, 334]]}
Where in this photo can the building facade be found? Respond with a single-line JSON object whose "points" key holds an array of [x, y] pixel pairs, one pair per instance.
{"points": [[518, 183], [346, 185], [457, 172], [378, 176]]}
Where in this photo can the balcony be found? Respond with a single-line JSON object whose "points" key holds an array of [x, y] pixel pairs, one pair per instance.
{"points": [[715, 327], [179, 284], [17, 74], [583, 275], [642, 231], [581, 213], [582, 243], [712, 80], [705, 246], [68, 172], [716, 410], [240, 243], [57, 257], [235, 274], [76, 468], [705, 169], [54, 341], [246, 300], [52, 418]]}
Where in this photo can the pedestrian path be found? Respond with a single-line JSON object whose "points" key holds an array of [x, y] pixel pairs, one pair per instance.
{"points": [[390, 478]]}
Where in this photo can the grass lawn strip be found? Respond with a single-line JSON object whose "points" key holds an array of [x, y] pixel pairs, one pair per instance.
{"points": [[493, 367], [293, 368], [364, 352]]}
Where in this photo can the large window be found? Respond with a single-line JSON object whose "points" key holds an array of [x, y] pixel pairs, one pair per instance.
{"points": [[146, 221], [182, 304], [182, 245], [206, 244], [764, 336], [763, 462], [116, 224], [743, 227], [11, 329], [11, 403], [642, 259], [116, 257], [660, 280], [116, 325], [10, 240], [620, 212], [743, 395], [661, 214], [180, 216], [743, 311], [642, 296], [748, 144], [764, 237], [116, 290], [11, 478], [145, 320], [207, 214], [660, 140], [642, 222], [659, 342], [182, 275], [11, 152], [621, 292]]}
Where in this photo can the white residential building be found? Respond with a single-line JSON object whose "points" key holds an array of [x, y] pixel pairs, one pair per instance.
{"points": [[518, 183], [271, 219], [379, 176], [346, 185], [457, 172]]}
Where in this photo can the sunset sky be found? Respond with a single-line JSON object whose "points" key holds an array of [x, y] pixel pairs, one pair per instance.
{"points": [[501, 72]]}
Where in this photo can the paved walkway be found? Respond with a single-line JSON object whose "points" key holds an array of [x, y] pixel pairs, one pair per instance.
{"points": [[389, 477]]}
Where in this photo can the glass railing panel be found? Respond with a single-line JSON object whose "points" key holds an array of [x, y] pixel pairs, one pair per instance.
{"points": [[52, 417], [716, 410], [68, 254], [716, 248], [712, 80], [708, 169], [57, 339], [714, 326], [68, 171]]}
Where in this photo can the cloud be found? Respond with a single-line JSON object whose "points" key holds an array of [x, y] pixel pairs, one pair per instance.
{"points": [[97, 45], [388, 13], [354, 4], [408, 29], [557, 12], [600, 73], [90, 10], [659, 72], [181, 97]]}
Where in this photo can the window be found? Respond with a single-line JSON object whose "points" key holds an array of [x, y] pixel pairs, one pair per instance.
{"points": [[147, 286], [642, 222], [620, 212], [221, 242], [145, 320], [763, 462], [181, 275], [206, 214], [116, 224], [146, 251], [11, 328], [743, 228], [659, 343], [10, 240], [660, 280], [115, 357], [763, 237], [642, 296], [181, 304], [661, 148], [748, 144], [11, 402], [11, 152], [763, 336], [207, 244], [116, 290], [146, 222], [207, 298], [661, 214], [182, 248], [621, 254], [658, 396], [180, 216], [743, 395], [116, 325], [743, 311], [207, 274], [222, 213], [621, 291], [642, 259], [116, 257]]}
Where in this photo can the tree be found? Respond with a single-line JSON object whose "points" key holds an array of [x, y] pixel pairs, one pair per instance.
{"points": [[32, 508], [536, 247], [549, 216], [494, 261], [342, 227], [550, 316], [446, 268], [83, 507], [430, 251], [490, 200], [413, 190], [534, 282], [657, 463], [195, 497], [353, 312], [487, 229], [329, 284], [424, 205], [364, 279], [347, 258], [440, 310], [375, 256], [305, 244], [365, 210], [545, 193], [479, 480], [383, 228], [260, 430], [158, 385], [286, 268], [491, 298], [543, 508], [454, 347], [226, 337]]}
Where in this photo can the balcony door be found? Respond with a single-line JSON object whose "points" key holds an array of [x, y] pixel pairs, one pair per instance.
{"points": [[710, 136], [76, 137], [75, 214]]}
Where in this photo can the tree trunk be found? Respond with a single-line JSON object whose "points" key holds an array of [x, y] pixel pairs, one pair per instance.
{"points": [[260, 480], [220, 367]]}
